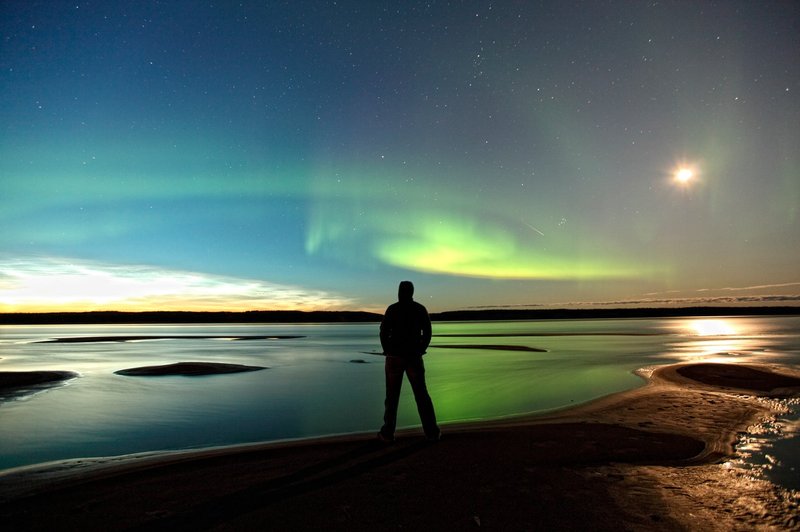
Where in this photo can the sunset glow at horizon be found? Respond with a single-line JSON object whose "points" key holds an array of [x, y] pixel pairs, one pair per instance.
{"points": [[64, 286]]}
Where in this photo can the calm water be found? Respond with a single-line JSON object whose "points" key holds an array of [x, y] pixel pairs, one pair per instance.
{"points": [[330, 381]]}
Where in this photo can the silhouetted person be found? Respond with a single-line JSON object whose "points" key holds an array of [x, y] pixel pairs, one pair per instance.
{"points": [[405, 335]]}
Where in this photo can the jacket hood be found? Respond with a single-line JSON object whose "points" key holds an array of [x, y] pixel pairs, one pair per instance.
{"points": [[406, 291]]}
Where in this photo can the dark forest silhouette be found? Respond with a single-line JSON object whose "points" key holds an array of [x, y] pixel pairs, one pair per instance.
{"points": [[298, 316]]}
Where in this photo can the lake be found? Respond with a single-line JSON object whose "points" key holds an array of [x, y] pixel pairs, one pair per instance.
{"points": [[329, 380]]}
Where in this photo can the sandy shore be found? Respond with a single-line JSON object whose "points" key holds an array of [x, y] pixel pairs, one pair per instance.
{"points": [[651, 458]]}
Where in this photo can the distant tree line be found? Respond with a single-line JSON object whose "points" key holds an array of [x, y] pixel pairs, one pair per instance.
{"points": [[566, 314], [299, 316], [254, 316]]}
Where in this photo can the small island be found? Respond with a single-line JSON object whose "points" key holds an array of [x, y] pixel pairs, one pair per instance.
{"points": [[14, 381], [188, 369]]}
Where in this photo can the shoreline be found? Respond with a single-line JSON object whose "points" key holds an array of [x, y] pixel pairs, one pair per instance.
{"points": [[647, 457]]}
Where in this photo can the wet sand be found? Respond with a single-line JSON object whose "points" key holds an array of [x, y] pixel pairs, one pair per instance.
{"points": [[650, 458]]}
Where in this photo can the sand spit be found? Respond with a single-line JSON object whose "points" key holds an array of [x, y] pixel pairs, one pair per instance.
{"points": [[739, 377], [139, 338], [518, 334], [492, 347], [188, 369], [19, 382]]}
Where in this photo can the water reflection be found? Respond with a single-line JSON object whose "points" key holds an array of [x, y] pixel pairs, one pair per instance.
{"points": [[716, 340], [713, 328], [769, 449]]}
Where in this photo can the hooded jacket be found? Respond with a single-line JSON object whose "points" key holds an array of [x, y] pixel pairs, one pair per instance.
{"points": [[406, 326]]}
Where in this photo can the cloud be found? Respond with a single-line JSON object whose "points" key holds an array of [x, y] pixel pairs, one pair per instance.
{"points": [[677, 301], [741, 298], [691, 301], [59, 284], [756, 287]]}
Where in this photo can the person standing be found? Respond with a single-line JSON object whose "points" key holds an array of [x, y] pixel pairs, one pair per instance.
{"points": [[405, 335]]}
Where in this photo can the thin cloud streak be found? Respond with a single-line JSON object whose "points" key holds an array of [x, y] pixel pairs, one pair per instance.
{"points": [[59, 284], [730, 288], [691, 301], [679, 301], [757, 287]]}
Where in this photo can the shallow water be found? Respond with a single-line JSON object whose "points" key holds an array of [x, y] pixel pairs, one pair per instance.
{"points": [[331, 381]]}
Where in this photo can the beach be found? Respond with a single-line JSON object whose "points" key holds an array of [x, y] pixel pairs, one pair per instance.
{"points": [[650, 458]]}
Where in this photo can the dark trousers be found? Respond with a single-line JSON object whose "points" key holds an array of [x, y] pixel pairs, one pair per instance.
{"points": [[415, 369]]}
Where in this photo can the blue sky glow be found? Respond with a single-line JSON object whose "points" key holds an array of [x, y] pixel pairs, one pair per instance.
{"points": [[313, 154]]}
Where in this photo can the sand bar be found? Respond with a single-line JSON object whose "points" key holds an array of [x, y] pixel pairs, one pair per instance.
{"points": [[188, 369], [11, 381], [495, 347], [517, 334], [141, 338], [648, 459]]}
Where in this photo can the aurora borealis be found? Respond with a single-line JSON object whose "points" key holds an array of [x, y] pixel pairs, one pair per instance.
{"points": [[243, 155]]}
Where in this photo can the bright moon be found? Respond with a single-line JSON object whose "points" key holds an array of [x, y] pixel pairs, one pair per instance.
{"points": [[684, 175]]}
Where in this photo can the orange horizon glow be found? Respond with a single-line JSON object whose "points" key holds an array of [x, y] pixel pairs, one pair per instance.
{"points": [[160, 306]]}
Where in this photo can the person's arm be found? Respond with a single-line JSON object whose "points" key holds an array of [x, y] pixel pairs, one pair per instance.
{"points": [[427, 332], [386, 331]]}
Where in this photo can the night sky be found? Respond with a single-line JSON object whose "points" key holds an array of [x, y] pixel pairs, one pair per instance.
{"points": [[310, 155]]}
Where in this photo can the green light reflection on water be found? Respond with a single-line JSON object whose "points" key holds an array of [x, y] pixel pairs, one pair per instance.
{"points": [[478, 384]]}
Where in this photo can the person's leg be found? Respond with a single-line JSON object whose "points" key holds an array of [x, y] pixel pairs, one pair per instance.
{"points": [[394, 368], [416, 375]]}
